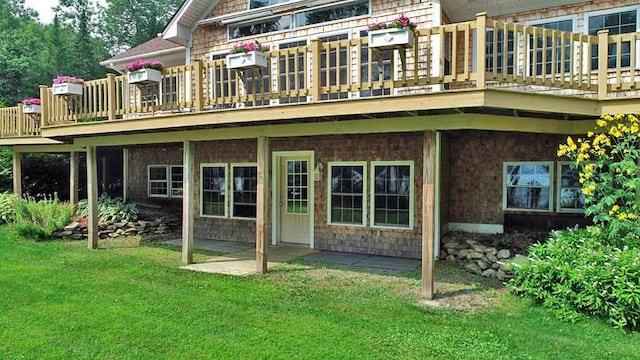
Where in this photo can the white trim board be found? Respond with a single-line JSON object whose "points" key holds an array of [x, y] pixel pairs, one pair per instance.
{"points": [[476, 228]]}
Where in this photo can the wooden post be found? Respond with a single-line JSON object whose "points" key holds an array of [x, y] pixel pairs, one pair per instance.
{"points": [[316, 46], [481, 71], [111, 97], [73, 178], [92, 196], [603, 64], [44, 105], [428, 225], [199, 89], [17, 173], [125, 174], [21, 120], [188, 193], [261, 204]]}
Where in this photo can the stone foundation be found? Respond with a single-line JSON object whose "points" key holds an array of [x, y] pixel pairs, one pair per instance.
{"points": [[157, 229]]}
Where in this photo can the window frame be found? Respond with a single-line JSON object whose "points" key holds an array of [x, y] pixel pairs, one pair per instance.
{"points": [[615, 10], [506, 164], [330, 165], [359, 17], [232, 191], [372, 194], [171, 188], [226, 190], [559, 186], [166, 180]]}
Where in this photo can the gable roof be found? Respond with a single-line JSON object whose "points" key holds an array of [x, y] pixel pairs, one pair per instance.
{"points": [[179, 28], [155, 49]]}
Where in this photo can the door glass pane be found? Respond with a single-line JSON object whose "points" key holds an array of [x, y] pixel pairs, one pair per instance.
{"points": [[297, 187]]}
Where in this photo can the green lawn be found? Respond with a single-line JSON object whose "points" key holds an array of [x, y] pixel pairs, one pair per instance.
{"points": [[59, 300]]}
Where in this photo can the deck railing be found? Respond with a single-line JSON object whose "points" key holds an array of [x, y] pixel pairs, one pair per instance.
{"points": [[15, 123], [475, 54]]}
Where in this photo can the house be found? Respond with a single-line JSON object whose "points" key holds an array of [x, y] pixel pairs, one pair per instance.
{"points": [[338, 145]]}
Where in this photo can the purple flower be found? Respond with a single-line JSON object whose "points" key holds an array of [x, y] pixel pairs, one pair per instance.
{"points": [[401, 22]]}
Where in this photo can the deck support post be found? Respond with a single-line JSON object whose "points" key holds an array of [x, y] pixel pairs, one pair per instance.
{"points": [[73, 178], [187, 201], [261, 205], [17, 173], [125, 174], [92, 196], [428, 208]]}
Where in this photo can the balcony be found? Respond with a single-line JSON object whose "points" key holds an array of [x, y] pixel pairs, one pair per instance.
{"points": [[456, 60]]}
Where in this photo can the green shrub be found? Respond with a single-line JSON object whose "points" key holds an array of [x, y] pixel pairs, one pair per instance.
{"points": [[40, 219], [7, 201], [110, 209], [578, 272]]}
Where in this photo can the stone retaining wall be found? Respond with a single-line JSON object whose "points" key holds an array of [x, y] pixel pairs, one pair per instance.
{"points": [[150, 229]]}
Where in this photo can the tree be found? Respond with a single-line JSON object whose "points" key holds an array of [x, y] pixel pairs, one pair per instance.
{"points": [[126, 24]]}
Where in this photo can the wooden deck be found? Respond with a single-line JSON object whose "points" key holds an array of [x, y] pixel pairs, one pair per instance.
{"points": [[448, 67]]}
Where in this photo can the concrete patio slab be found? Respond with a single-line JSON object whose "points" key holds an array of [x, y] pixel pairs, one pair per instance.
{"points": [[350, 259], [224, 247], [243, 263]]}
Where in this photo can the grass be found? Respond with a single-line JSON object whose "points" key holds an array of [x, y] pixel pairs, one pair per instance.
{"points": [[59, 300]]}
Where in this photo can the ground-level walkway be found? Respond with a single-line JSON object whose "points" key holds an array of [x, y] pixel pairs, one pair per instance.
{"points": [[240, 258]]}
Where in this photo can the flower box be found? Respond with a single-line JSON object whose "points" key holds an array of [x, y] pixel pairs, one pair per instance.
{"points": [[67, 89], [389, 39], [31, 109], [144, 76], [247, 60]]}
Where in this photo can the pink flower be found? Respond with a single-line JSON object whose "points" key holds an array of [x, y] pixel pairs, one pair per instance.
{"points": [[401, 22], [143, 63], [68, 79], [31, 101], [247, 47]]}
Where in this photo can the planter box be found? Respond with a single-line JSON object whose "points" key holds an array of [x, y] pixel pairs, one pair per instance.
{"points": [[389, 39], [67, 89], [31, 109], [145, 76], [250, 60]]}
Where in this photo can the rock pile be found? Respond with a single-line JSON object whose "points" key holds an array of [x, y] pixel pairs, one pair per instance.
{"points": [[155, 228], [480, 259]]}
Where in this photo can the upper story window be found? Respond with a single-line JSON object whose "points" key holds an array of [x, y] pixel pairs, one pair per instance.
{"points": [[617, 23], [496, 58], [559, 46], [318, 15]]}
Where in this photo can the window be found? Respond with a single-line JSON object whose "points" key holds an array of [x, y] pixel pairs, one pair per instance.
{"points": [[347, 189], [617, 23], [224, 81], [291, 69], [169, 90], [333, 66], [392, 195], [245, 187], [176, 181], [213, 199], [365, 63], [332, 13], [570, 198], [158, 181], [528, 186], [501, 59], [262, 26], [559, 46], [254, 4]]}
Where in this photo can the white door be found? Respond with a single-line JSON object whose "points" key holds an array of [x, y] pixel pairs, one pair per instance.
{"points": [[295, 199]]}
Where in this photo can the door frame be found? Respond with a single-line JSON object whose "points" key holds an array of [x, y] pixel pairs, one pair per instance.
{"points": [[276, 161]]}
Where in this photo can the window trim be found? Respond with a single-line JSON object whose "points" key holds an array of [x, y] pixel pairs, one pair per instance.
{"points": [[166, 173], [330, 165], [560, 209], [171, 188], [226, 190], [372, 194], [232, 201], [505, 164]]}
